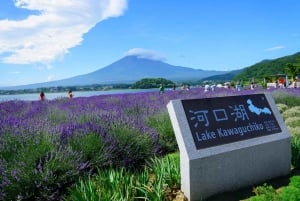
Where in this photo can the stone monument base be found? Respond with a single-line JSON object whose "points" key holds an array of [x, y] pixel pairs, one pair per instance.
{"points": [[217, 171], [227, 143]]}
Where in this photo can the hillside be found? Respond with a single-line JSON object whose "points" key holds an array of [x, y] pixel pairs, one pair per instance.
{"points": [[266, 68], [223, 77]]}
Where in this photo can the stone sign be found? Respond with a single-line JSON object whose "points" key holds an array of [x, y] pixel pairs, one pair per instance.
{"points": [[222, 120], [226, 143]]}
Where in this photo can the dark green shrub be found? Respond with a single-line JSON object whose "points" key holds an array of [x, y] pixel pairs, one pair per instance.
{"points": [[295, 181], [55, 172], [10, 145], [19, 155], [281, 107], [132, 148], [264, 193], [162, 124], [281, 97], [295, 144], [290, 193], [38, 169], [91, 148]]}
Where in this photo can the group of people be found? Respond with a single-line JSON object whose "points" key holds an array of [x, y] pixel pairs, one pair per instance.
{"points": [[43, 96], [182, 87]]}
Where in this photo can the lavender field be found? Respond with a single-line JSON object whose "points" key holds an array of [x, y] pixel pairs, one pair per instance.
{"points": [[45, 146]]}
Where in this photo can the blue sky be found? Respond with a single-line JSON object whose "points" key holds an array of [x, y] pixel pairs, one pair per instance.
{"points": [[44, 40]]}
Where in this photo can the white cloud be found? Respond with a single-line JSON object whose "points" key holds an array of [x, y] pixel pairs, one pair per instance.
{"points": [[275, 48], [59, 26], [50, 77], [145, 53], [15, 72]]}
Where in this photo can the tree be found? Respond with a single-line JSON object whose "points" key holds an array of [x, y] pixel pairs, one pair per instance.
{"points": [[292, 70], [148, 83]]}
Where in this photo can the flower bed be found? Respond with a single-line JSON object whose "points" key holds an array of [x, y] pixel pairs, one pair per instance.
{"points": [[47, 146]]}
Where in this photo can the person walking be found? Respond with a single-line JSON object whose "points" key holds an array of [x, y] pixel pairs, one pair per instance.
{"points": [[70, 94], [42, 96], [161, 89]]}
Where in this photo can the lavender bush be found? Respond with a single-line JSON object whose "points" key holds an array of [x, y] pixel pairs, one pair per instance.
{"points": [[46, 146], [162, 123]]}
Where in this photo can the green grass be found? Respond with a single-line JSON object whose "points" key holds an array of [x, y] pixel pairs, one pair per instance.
{"points": [[152, 183], [287, 193]]}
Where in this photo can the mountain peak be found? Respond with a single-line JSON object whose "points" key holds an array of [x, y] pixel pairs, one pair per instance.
{"points": [[130, 69], [137, 59], [146, 54]]}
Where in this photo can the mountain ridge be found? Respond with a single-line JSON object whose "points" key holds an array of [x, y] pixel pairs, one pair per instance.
{"points": [[128, 70], [268, 67]]}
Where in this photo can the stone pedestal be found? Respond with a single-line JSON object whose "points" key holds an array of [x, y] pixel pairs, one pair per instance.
{"points": [[212, 162]]}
